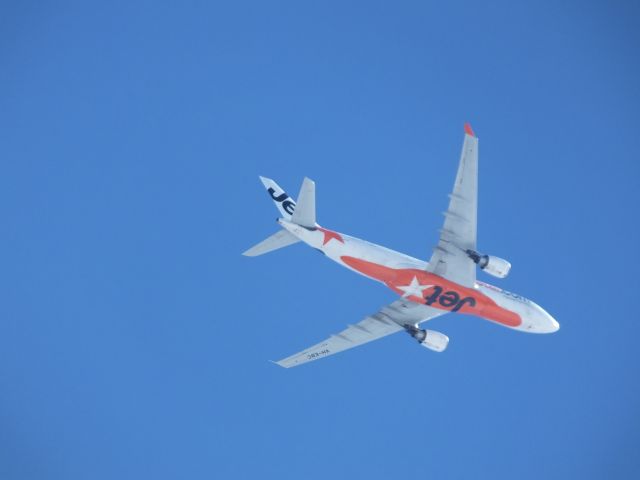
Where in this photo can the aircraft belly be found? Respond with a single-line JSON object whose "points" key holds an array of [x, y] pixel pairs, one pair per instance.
{"points": [[409, 278], [356, 248]]}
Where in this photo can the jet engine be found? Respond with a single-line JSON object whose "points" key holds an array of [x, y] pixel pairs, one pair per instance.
{"points": [[495, 266], [430, 339]]}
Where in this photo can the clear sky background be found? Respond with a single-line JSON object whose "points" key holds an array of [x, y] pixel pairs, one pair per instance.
{"points": [[134, 337]]}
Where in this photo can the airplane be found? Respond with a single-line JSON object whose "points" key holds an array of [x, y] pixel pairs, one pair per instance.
{"points": [[446, 283]]}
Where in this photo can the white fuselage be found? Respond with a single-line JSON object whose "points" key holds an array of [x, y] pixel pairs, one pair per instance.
{"points": [[393, 268]]}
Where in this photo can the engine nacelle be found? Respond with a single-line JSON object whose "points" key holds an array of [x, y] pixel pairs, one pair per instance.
{"points": [[431, 339], [495, 266]]}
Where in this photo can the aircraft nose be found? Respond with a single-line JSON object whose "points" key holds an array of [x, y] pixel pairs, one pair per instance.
{"points": [[539, 321], [553, 325], [547, 324]]}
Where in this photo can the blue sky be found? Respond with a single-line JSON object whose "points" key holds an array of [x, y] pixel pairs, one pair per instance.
{"points": [[134, 338]]}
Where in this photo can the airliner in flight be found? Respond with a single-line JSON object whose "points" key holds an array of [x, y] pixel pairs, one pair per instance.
{"points": [[446, 283]]}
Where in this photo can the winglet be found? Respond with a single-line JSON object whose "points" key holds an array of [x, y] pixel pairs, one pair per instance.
{"points": [[282, 364], [468, 130]]}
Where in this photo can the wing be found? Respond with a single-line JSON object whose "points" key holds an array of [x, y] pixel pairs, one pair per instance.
{"points": [[388, 320], [458, 234]]}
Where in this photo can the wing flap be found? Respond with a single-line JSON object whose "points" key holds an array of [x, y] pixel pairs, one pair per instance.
{"points": [[363, 332], [388, 320], [459, 232]]}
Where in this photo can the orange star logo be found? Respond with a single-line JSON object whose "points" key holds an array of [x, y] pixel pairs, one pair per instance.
{"points": [[329, 235]]}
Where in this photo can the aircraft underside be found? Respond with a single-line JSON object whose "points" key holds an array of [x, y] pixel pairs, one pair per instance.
{"points": [[445, 284]]}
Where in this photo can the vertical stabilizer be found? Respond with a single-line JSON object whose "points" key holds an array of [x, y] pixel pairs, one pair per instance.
{"points": [[284, 202]]}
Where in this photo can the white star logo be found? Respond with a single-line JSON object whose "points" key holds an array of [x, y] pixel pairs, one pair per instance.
{"points": [[414, 289]]}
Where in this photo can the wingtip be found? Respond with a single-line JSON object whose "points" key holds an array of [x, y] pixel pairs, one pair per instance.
{"points": [[468, 130], [279, 363]]}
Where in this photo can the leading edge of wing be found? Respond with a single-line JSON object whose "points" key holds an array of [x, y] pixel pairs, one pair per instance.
{"points": [[459, 230], [353, 336], [389, 319]]}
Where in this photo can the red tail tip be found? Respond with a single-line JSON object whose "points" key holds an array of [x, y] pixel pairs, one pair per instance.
{"points": [[468, 130]]}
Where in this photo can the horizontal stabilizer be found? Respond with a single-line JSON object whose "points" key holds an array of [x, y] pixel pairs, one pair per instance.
{"points": [[305, 210], [278, 240]]}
